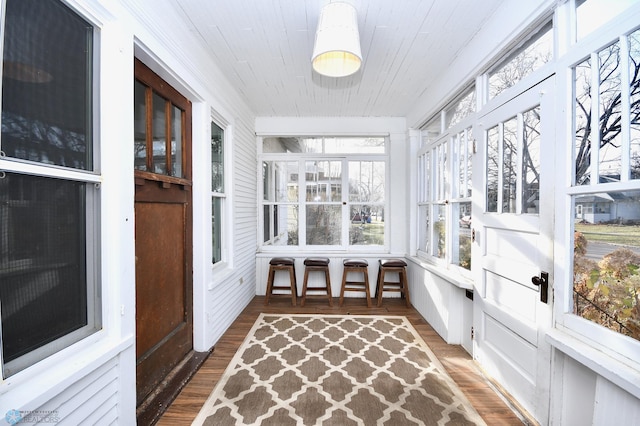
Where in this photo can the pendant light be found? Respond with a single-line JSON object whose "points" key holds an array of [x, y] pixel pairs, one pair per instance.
{"points": [[336, 52]]}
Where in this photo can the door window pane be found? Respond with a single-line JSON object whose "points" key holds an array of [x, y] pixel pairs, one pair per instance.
{"points": [[493, 166], [140, 127], [176, 142], [47, 84], [509, 165], [159, 137], [531, 162]]}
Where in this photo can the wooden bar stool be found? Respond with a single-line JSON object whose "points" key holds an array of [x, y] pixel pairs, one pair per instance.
{"points": [[317, 264], [357, 266], [392, 265], [282, 264]]}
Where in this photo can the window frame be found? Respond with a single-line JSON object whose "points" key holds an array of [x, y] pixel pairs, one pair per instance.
{"points": [[91, 177], [268, 245]]}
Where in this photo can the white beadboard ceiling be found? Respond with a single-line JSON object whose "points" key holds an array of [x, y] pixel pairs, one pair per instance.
{"points": [[264, 48]]}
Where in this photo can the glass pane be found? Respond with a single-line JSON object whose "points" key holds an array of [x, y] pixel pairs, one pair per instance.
{"points": [[582, 114], [324, 225], [493, 165], [266, 224], [43, 273], [509, 166], [289, 218], [354, 145], [280, 181], [592, 14], [606, 264], [140, 127], [216, 224], [176, 142], [442, 178], [423, 232], [366, 225], [634, 72], [461, 109], [610, 115], [159, 126], [531, 57], [217, 158], [431, 131], [323, 181], [366, 181], [531, 162], [462, 235], [439, 230], [464, 149], [47, 84]]}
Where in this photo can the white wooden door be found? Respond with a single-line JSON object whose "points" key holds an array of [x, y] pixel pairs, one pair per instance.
{"points": [[512, 229]]}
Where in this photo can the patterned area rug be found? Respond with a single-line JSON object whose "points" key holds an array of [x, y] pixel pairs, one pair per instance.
{"points": [[335, 370]]}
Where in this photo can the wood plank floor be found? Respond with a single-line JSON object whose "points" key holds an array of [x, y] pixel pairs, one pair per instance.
{"points": [[456, 360]]}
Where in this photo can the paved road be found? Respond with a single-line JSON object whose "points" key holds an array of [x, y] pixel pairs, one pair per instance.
{"points": [[597, 251]]}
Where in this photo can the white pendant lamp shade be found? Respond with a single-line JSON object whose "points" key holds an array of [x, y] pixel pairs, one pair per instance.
{"points": [[336, 52]]}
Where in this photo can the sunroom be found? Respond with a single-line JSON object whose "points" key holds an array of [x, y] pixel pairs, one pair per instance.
{"points": [[493, 147]]}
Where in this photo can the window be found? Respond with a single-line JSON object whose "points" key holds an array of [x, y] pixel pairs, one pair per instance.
{"points": [[606, 186], [445, 182], [533, 55], [49, 183], [217, 190], [323, 192]]}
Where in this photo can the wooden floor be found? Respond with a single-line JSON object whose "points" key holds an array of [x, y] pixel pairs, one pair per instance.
{"points": [[456, 360]]}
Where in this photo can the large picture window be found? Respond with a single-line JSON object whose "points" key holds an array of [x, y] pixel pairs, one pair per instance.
{"points": [[49, 185], [323, 192]]}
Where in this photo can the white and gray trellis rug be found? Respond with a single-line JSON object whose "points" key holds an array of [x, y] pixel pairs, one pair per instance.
{"points": [[335, 370]]}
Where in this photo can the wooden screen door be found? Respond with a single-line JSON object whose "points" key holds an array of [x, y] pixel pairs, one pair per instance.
{"points": [[513, 231], [164, 308]]}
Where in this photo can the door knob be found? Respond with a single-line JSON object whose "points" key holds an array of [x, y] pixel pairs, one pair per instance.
{"points": [[542, 281]]}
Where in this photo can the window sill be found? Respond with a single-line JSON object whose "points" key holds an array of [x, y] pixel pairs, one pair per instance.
{"points": [[626, 375], [60, 371], [455, 278]]}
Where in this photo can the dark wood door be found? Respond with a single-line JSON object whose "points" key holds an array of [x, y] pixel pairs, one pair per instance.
{"points": [[163, 230]]}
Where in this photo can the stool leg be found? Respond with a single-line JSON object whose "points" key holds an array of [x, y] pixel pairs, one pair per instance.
{"points": [[380, 290], [366, 286], [327, 280], [344, 283], [270, 277], [304, 286], [294, 285], [405, 286]]}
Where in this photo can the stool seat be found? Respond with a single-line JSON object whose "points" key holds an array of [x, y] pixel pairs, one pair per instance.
{"points": [[316, 264], [355, 263], [392, 265], [360, 266], [316, 261], [282, 261]]}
